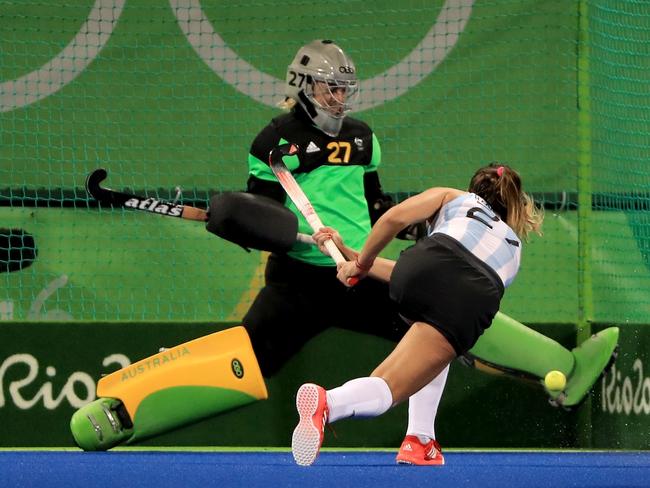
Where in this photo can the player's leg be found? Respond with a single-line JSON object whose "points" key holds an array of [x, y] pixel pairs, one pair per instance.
{"points": [[512, 348], [392, 382], [423, 407], [217, 372], [420, 445], [381, 318]]}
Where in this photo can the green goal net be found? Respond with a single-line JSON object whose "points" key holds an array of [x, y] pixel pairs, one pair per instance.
{"points": [[168, 95]]}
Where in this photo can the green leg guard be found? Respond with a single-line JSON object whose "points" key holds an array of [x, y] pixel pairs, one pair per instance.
{"points": [[170, 389], [510, 347]]}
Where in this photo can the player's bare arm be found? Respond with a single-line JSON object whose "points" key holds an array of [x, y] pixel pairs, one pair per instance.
{"points": [[415, 209], [381, 269]]}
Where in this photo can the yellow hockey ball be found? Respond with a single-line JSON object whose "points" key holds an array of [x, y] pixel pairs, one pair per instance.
{"points": [[555, 380]]}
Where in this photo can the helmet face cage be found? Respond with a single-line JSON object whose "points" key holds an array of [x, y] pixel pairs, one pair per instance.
{"points": [[334, 96], [322, 79]]}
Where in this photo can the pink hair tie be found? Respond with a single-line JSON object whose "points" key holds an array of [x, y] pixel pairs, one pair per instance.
{"points": [[500, 171]]}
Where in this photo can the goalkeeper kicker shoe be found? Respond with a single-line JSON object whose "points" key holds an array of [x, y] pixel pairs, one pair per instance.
{"points": [[307, 439], [412, 451]]}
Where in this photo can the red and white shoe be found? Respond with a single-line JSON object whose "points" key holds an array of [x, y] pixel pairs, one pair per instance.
{"points": [[412, 451], [307, 439]]}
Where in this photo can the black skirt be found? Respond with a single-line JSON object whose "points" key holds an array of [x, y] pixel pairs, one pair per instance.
{"points": [[439, 282]]}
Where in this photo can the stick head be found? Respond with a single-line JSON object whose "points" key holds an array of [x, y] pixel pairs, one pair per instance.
{"points": [[278, 152], [93, 187]]}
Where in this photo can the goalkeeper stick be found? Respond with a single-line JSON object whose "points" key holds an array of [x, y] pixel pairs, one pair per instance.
{"points": [[118, 199], [299, 198], [107, 196]]}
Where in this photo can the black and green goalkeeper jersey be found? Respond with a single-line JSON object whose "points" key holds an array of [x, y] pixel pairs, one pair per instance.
{"points": [[338, 175]]}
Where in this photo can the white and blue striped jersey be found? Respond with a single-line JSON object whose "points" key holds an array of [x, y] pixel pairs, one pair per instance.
{"points": [[470, 221]]}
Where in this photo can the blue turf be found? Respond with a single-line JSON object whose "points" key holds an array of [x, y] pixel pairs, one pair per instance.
{"points": [[120, 469]]}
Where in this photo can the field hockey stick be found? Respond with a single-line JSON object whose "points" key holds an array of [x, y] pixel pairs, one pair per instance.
{"points": [[114, 198], [300, 200], [135, 202]]}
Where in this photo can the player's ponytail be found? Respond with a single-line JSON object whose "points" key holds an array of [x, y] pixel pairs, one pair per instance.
{"points": [[500, 186]]}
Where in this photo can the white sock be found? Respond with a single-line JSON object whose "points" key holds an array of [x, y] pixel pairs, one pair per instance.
{"points": [[423, 407], [361, 397]]}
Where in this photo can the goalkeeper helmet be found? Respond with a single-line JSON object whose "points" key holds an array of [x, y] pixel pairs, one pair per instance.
{"points": [[322, 79]]}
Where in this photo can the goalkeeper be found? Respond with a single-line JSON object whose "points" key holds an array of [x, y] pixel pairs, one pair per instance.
{"points": [[337, 169]]}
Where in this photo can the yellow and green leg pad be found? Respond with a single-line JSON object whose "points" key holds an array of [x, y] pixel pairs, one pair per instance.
{"points": [[509, 347], [175, 387]]}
